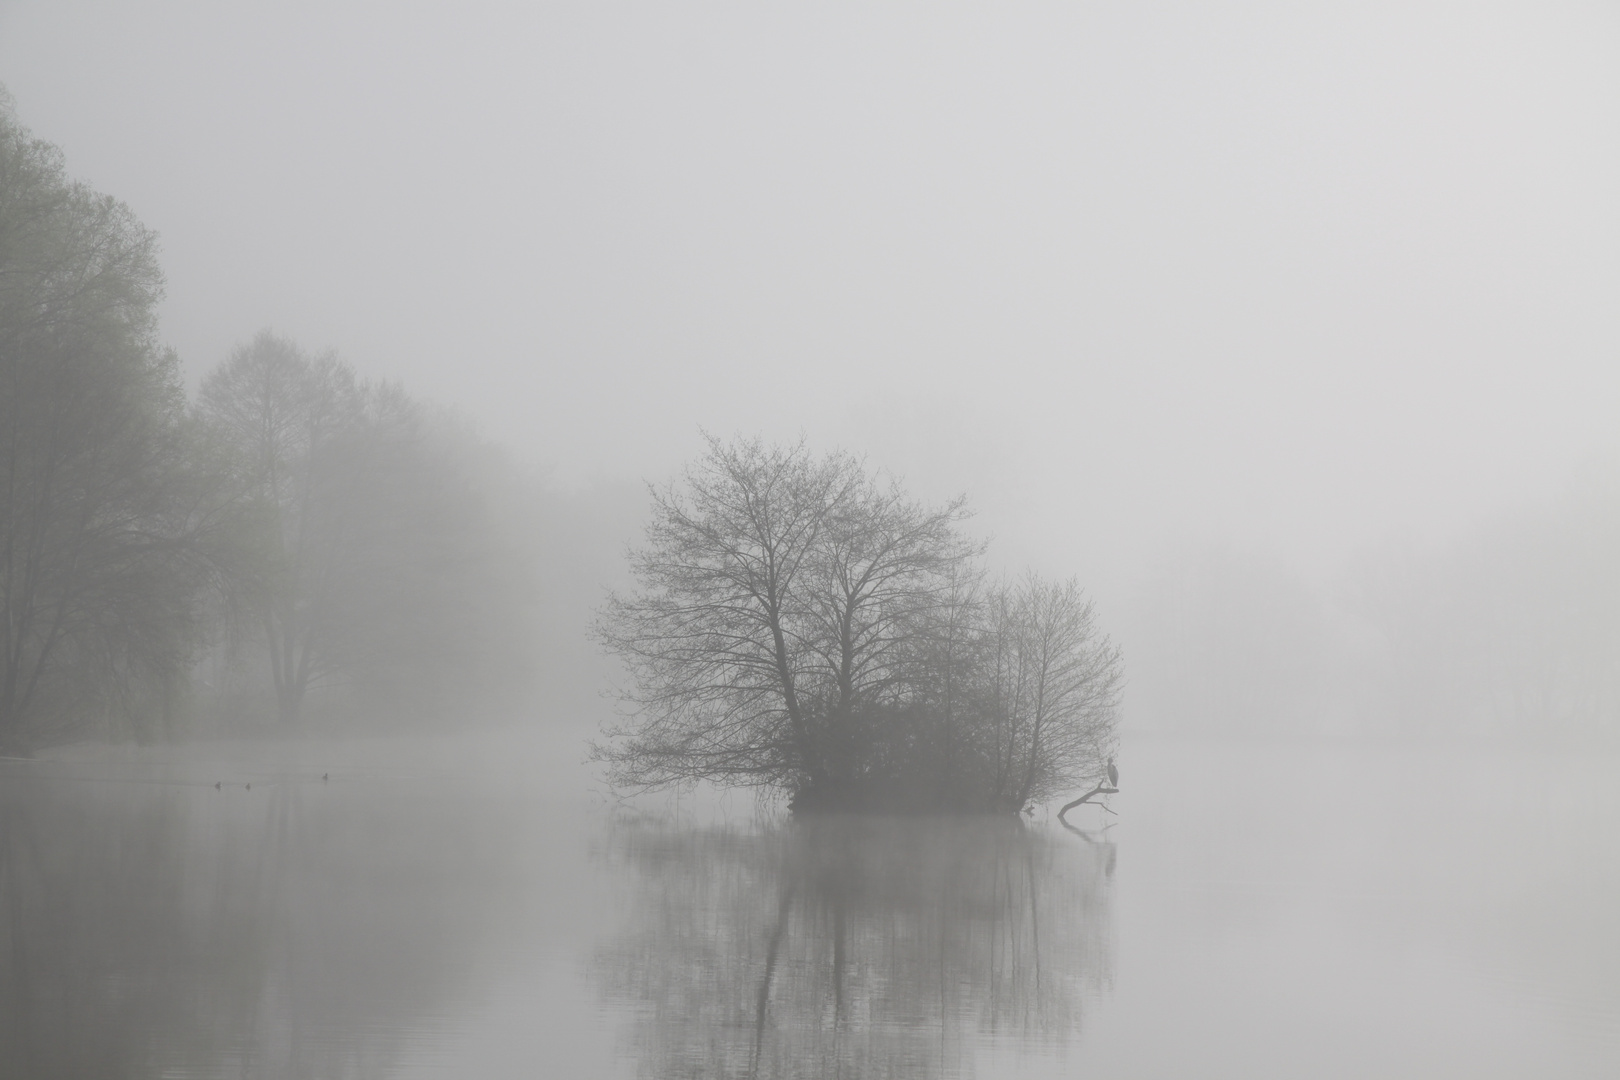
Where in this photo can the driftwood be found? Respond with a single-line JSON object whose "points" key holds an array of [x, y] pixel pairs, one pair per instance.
{"points": [[1100, 789]]}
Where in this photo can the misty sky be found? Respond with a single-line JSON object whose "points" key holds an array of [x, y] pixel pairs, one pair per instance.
{"points": [[1294, 276]]}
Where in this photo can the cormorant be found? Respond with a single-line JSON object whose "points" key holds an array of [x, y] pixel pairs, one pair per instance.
{"points": [[1113, 774]]}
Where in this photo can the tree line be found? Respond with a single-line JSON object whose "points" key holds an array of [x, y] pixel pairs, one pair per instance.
{"points": [[295, 520], [802, 625], [298, 533]]}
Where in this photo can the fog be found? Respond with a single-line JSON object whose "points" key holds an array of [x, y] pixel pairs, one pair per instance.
{"points": [[1291, 280], [1286, 332]]}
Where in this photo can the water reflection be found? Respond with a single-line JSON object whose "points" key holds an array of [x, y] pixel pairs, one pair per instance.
{"points": [[839, 946], [411, 921], [160, 927]]}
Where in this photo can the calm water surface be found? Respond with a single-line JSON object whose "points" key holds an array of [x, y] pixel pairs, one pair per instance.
{"points": [[444, 908]]}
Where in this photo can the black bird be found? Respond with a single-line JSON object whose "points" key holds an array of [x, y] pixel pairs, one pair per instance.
{"points": [[1113, 774], [216, 785], [325, 777]]}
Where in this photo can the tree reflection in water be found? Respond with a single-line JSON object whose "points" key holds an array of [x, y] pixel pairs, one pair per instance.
{"points": [[854, 946], [155, 927]]}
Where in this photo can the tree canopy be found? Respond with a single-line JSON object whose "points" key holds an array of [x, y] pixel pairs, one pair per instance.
{"points": [[801, 624], [99, 515], [337, 529], [368, 551]]}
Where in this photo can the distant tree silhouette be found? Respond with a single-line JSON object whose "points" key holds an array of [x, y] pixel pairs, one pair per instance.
{"points": [[370, 551]]}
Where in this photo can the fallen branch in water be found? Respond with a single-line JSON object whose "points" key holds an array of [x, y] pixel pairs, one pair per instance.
{"points": [[1100, 789]]}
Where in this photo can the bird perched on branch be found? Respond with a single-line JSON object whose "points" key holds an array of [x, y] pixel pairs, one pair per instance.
{"points": [[1113, 774]]}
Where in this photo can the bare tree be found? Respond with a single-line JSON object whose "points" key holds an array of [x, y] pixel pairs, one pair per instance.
{"points": [[883, 575], [1054, 688], [719, 637], [800, 624]]}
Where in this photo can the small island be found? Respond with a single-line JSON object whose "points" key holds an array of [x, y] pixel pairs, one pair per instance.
{"points": [[801, 624]]}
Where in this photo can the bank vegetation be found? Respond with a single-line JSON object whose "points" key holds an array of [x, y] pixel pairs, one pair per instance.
{"points": [[295, 534]]}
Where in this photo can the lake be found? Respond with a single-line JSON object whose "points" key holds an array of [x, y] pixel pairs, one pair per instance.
{"points": [[478, 907]]}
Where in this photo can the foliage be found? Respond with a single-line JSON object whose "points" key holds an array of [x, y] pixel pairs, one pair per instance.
{"points": [[800, 625], [353, 536], [100, 502]]}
